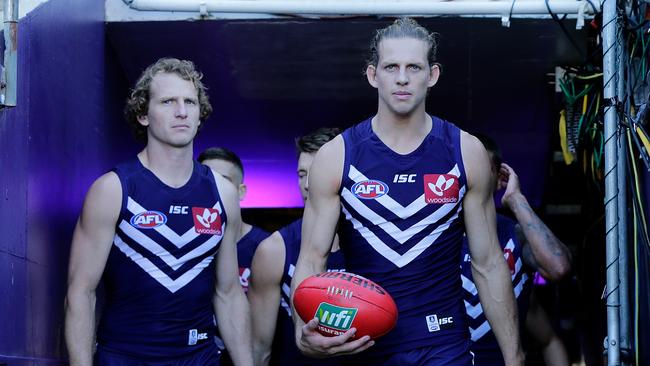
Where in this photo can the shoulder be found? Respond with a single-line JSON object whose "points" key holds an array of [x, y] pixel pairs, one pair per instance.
{"points": [[332, 147], [445, 130], [359, 131], [475, 159], [327, 168], [272, 245], [269, 257], [103, 201], [470, 144], [227, 191], [107, 186]]}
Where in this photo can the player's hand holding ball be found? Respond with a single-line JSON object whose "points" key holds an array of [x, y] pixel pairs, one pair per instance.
{"points": [[342, 300]]}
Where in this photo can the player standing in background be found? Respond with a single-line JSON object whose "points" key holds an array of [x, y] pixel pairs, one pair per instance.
{"points": [[273, 267], [229, 165], [528, 245]]}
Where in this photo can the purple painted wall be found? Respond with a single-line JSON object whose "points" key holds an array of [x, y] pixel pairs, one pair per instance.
{"points": [[52, 146]]}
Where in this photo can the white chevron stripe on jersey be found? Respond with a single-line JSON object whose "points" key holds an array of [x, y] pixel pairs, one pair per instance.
{"points": [[392, 205], [390, 228], [468, 285], [476, 310], [473, 310], [518, 266], [520, 285], [155, 248], [509, 245], [387, 252], [286, 289], [164, 230], [156, 273], [480, 331]]}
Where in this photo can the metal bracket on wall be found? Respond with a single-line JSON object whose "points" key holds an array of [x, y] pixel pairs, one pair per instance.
{"points": [[580, 22], [505, 20], [3, 88], [8, 81]]}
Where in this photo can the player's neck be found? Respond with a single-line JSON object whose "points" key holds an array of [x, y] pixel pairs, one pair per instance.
{"points": [[172, 165], [401, 133], [245, 229]]}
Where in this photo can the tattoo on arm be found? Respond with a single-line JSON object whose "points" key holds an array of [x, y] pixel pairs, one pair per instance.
{"points": [[529, 257], [536, 227]]}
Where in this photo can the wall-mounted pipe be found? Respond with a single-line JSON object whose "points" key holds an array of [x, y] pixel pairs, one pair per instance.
{"points": [[369, 7], [9, 78], [610, 28]]}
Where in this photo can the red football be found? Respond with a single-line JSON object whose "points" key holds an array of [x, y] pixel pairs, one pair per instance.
{"points": [[341, 300]]}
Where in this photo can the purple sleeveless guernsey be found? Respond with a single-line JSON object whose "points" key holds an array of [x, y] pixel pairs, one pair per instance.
{"points": [[159, 276], [284, 350], [404, 230], [484, 343], [246, 247]]}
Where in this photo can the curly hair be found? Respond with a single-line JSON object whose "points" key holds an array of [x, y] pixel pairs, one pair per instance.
{"points": [[403, 28], [137, 104]]}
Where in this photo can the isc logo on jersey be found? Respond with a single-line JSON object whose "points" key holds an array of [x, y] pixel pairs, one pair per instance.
{"points": [[334, 319], [435, 323], [441, 188], [195, 337], [148, 219], [369, 189]]}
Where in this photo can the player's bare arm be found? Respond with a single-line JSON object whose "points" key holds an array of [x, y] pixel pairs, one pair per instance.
{"points": [[489, 269], [91, 244], [319, 226], [540, 328], [543, 251], [264, 293], [229, 301]]}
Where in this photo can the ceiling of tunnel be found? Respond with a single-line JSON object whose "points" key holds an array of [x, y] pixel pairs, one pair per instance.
{"points": [[324, 59]]}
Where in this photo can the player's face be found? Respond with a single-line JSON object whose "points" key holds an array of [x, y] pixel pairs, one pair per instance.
{"points": [[304, 164], [229, 171], [173, 115], [402, 75]]}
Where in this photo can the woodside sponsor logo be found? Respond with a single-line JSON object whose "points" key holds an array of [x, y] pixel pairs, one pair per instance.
{"points": [[441, 188]]}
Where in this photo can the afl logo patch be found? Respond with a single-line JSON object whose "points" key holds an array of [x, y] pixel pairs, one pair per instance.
{"points": [[148, 219], [369, 189]]}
